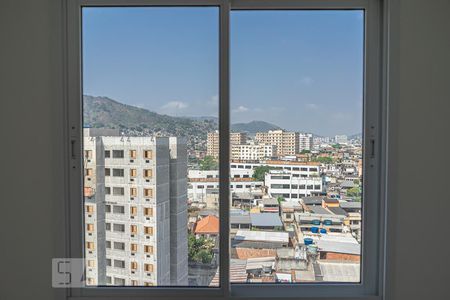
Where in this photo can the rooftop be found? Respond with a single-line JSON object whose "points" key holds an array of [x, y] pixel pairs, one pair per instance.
{"points": [[264, 236], [207, 225], [265, 220]]}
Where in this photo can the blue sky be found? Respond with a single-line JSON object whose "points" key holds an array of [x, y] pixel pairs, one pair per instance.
{"points": [[301, 70]]}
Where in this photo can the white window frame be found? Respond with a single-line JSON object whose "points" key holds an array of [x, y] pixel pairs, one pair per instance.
{"points": [[374, 155]]}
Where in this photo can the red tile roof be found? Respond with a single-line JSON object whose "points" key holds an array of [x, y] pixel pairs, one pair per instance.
{"points": [[207, 225]]}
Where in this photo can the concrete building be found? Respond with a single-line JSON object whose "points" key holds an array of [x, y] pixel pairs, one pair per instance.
{"points": [[135, 209], [290, 186], [305, 141], [302, 169], [341, 139], [212, 142], [287, 142], [253, 152]]}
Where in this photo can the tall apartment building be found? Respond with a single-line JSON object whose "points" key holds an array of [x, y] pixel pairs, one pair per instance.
{"points": [[341, 139], [287, 142], [305, 141], [135, 209], [291, 186], [212, 142], [253, 152]]}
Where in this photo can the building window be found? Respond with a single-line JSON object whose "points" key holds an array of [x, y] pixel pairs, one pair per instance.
{"points": [[90, 209], [133, 172], [133, 247], [118, 227], [133, 265], [133, 192], [133, 210], [90, 246], [148, 154], [117, 153], [91, 263], [148, 230], [90, 227], [118, 172], [148, 193], [119, 246], [133, 229], [118, 209], [148, 268], [148, 249], [119, 264], [118, 191], [148, 173], [107, 154], [88, 154], [89, 172], [148, 211], [133, 154], [107, 172]]}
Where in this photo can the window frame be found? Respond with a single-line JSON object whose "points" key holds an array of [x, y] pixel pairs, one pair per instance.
{"points": [[374, 154]]}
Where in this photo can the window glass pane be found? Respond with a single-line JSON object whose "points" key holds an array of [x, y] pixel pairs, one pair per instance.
{"points": [[150, 85], [296, 112]]}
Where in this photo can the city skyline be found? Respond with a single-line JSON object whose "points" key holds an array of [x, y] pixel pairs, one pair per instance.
{"points": [[325, 78]]}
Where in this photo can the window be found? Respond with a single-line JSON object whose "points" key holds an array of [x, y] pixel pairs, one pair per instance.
{"points": [[119, 246], [91, 263], [108, 226], [89, 172], [148, 249], [108, 208], [118, 191], [108, 261], [133, 210], [148, 211], [148, 267], [89, 209], [88, 154], [90, 246], [304, 66], [148, 154], [148, 193], [119, 227], [119, 264], [148, 230], [117, 153], [118, 172], [90, 227], [148, 173]]}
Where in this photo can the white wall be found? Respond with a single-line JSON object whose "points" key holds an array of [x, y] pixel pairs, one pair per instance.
{"points": [[31, 117]]}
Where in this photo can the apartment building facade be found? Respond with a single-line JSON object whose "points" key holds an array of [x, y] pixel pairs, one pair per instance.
{"points": [[135, 209], [253, 152], [212, 142], [287, 142], [291, 186], [305, 141]]}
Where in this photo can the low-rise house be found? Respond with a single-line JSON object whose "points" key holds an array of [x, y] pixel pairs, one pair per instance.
{"points": [[266, 221], [288, 209], [239, 219], [251, 244], [207, 227], [270, 205]]}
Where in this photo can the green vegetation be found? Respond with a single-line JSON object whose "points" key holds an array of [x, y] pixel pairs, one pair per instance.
{"points": [[324, 159], [208, 163], [260, 172], [200, 249], [305, 152], [355, 193], [280, 199], [336, 146]]}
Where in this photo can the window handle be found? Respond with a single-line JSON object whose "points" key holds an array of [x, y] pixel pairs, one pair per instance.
{"points": [[72, 148], [372, 148]]}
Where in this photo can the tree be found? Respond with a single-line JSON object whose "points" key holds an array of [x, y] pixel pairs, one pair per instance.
{"points": [[260, 172], [208, 163], [280, 199], [304, 151], [200, 249]]}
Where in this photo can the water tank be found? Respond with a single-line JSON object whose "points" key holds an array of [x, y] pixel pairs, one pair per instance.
{"points": [[323, 230], [308, 241], [315, 222], [315, 229], [327, 222]]}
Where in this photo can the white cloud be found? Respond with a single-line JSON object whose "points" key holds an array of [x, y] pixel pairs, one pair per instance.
{"points": [[306, 80], [174, 105], [312, 106], [240, 109]]}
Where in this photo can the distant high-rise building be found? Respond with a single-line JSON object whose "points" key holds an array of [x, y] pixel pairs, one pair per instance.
{"points": [[212, 142], [135, 209], [341, 139], [287, 142], [305, 141]]}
